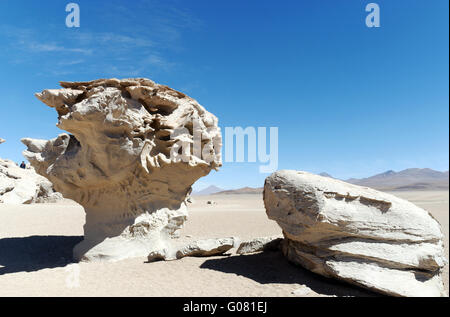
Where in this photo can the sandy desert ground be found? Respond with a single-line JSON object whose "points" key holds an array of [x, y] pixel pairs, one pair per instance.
{"points": [[36, 243]]}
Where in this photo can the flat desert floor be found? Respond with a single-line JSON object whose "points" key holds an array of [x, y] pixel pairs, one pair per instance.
{"points": [[36, 244]]}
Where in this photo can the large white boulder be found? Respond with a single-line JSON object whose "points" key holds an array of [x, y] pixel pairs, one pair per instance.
{"points": [[24, 186], [134, 150], [356, 234]]}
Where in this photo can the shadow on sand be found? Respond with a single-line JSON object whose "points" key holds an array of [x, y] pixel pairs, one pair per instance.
{"points": [[272, 267], [35, 253]]}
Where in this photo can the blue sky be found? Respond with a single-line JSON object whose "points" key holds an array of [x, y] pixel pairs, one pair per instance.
{"points": [[349, 100]]}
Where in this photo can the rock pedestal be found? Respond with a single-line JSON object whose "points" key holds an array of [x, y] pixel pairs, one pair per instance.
{"points": [[134, 150]]}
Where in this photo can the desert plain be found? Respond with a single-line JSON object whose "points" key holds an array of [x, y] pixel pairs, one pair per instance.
{"points": [[36, 244]]}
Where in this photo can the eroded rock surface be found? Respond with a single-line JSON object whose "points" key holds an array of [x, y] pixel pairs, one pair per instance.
{"points": [[259, 244], [207, 247], [24, 186], [134, 150], [356, 234], [198, 248]]}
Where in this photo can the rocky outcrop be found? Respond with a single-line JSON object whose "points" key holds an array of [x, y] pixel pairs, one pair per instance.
{"points": [[198, 248], [134, 150], [356, 234], [24, 186], [259, 244], [2, 140], [208, 247]]}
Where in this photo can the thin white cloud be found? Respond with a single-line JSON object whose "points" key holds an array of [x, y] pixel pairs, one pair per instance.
{"points": [[138, 49], [70, 62], [111, 39], [158, 61], [149, 64], [43, 47], [30, 41]]}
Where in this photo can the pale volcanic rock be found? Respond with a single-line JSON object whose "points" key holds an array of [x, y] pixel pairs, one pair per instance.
{"points": [[207, 247], [259, 244], [130, 160], [198, 248], [356, 234], [165, 254], [24, 186]]}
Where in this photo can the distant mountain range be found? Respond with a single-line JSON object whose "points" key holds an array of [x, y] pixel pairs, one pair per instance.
{"points": [[408, 179], [208, 191], [325, 175], [245, 190]]}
